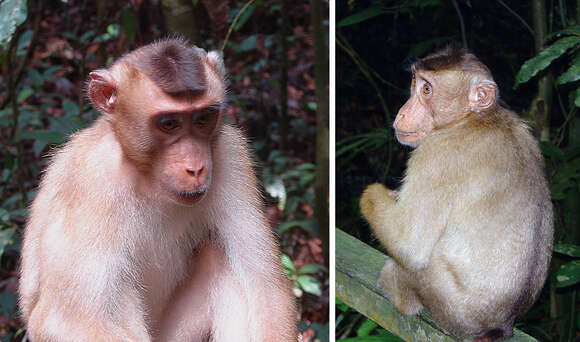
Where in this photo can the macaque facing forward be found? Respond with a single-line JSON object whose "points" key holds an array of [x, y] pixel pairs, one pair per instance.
{"points": [[148, 225], [470, 230]]}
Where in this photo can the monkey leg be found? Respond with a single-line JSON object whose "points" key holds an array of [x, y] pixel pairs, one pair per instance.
{"points": [[395, 281], [48, 322], [189, 314]]}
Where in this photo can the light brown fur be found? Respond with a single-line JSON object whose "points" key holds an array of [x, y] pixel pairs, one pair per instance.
{"points": [[110, 255], [471, 231]]}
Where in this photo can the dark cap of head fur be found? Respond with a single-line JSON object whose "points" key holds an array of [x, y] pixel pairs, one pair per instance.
{"points": [[174, 65], [451, 58]]}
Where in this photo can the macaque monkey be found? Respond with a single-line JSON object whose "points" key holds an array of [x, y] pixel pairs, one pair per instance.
{"points": [[470, 230], [148, 225]]}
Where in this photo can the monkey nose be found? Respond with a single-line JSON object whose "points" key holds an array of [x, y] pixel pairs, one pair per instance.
{"points": [[195, 171]]}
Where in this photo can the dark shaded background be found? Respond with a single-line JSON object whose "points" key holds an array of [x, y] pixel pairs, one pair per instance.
{"points": [[386, 44]]}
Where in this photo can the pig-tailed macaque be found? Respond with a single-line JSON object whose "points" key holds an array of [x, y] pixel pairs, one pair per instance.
{"points": [[470, 230], [148, 225]]}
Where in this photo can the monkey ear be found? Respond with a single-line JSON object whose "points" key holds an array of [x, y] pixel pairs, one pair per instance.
{"points": [[482, 95], [102, 90], [215, 59]]}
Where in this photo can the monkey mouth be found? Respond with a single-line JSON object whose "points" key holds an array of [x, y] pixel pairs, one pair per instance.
{"points": [[190, 197], [407, 134]]}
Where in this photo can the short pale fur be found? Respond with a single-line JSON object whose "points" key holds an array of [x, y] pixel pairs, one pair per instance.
{"points": [[470, 233], [106, 258]]}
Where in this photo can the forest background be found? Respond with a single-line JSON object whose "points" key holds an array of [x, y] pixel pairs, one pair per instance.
{"points": [[278, 94], [533, 50]]}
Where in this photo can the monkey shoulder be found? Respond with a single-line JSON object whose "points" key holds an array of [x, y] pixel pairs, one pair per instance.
{"points": [[79, 171], [494, 159]]}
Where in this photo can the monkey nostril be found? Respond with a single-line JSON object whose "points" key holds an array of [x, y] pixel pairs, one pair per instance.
{"points": [[195, 172]]}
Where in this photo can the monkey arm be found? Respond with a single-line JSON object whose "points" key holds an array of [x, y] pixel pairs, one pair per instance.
{"points": [[401, 224], [251, 252]]}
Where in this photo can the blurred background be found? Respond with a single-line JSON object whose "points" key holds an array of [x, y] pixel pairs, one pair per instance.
{"points": [[376, 42], [276, 55]]}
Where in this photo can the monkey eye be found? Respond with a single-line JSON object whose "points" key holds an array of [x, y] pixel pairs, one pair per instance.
{"points": [[169, 122], [427, 90], [206, 117]]}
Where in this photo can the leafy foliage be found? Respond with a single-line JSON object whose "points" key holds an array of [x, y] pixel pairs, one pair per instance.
{"points": [[381, 38], [50, 62], [545, 58], [12, 14], [365, 330]]}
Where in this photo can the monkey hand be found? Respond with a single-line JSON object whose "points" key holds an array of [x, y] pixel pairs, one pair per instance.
{"points": [[374, 194]]}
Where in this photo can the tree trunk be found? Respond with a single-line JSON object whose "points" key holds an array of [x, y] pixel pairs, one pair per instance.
{"points": [[563, 301], [322, 160], [540, 107], [283, 120]]}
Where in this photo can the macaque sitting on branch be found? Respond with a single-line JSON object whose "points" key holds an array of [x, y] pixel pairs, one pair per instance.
{"points": [[470, 230], [148, 225]]}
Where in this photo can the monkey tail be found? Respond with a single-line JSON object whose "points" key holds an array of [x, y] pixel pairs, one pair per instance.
{"points": [[494, 334]]}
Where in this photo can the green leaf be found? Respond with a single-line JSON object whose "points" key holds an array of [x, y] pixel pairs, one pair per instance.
{"points": [[310, 285], [568, 249], [4, 214], [312, 268], [24, 94], [366, 328], [129, 23], [248, 44], [38, 147], [571, 75], [341, 305], [361, 16], [244, 17], [567, 172], [48, 73], [5, 112], [113, 30], [287, 263], [558, 190], [35, 77], [577, 98], [306, 166], [47, 136], [571, 30], [551, 150], [538, 63], [86, 36], [8, 304], [70, 108], [305, 179], [370, 339], [6, 239], [304, 224], [568, 274], [388, 336], [12, 14], [66, 124], [23, 42]]}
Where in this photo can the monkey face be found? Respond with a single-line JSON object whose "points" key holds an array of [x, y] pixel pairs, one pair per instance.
{"points": [[166, 136], [415, 119], [441, 100], [184, 167]]}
